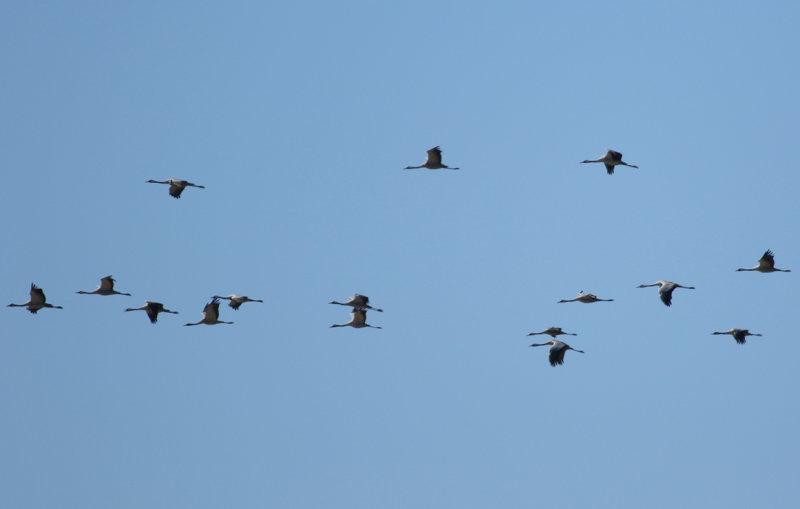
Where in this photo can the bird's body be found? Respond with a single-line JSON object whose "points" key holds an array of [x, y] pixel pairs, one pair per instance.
{"points": [[611, 159], [665, 289], [557, 350], [176, 186], [153, 309], [358, 320], [210, 315], [106, 288], [36, 302], [586, 298], [434, 161], [766, 264], [552, 332], [237, 300], [739, 335], [357, 301]]}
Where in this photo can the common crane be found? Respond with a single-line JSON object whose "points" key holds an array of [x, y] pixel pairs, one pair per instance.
{"points": [[586, 298], [237, 300], [552, 332], [434, 161], [766, 264], [739, 335], [665, 289], [153, 309], [611, 159], [557, 350], [210, 315], [37, 301], [176, 186], [106, 288], [358, 320], [357, 301]]}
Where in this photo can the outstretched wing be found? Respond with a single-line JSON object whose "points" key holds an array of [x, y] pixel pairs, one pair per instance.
{"points": [[107, 284], [175, 190], [359, 316], [153, 309], [434, 156], [211, 311], [557, 352], [767, 261], [37, 295], [152, 314], [666, 296]]}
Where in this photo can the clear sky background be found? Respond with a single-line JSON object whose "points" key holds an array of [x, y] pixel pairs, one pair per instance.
{"points": [[298, 118]]}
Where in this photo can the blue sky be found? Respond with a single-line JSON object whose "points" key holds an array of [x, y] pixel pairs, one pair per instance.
{"points": [[298, 119]]}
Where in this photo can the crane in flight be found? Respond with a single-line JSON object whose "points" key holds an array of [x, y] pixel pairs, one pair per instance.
{"points": [[210, 315], [152, 309], [36, 302], [434, 161], [740, 335], [586, 298], [358, 320], [665, 289], [552, 332], [611, 159], [766, 264], [237, 300], [557, 350], [176, 186], [357, 301], [106, 288]]}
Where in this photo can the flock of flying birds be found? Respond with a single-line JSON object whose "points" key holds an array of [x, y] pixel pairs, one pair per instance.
{"points": [[210, 311], [611, 159], [360, 303], [665, 288]]}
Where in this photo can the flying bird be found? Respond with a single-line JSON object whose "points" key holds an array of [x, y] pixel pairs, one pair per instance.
{"points": [[106, 288], [434, 161], [557, 350], [37, 301], [357, 301], [237, 300], [153, 309], [358, 320], [210, 314], [176, 186], [766, 264], [739, 335], [552, 332], [586, 298], [665, 289], [611, 159]]}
